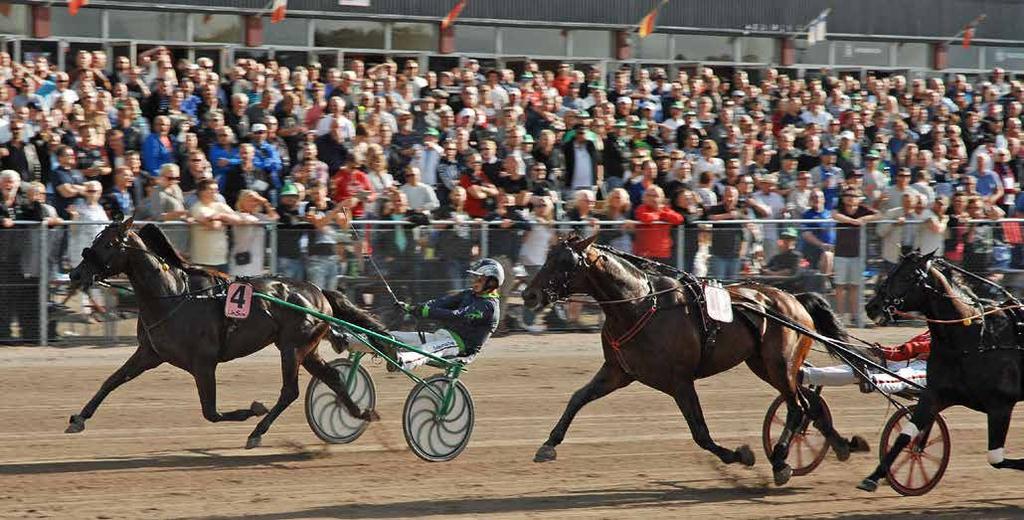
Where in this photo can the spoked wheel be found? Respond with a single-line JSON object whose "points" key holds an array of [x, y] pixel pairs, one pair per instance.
{"points": [[328, 419], [920, 466], [436, 432], [808, 446]]}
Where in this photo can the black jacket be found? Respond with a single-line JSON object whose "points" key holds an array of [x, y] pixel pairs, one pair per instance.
{"points": [[570, 161]]}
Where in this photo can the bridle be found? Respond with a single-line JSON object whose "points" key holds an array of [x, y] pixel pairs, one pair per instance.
{"points": [[891, 304]]}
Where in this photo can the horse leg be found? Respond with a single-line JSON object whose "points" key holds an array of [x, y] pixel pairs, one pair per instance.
{"points": [[998, 425], [609, 378], [922, 419], [289, 393], [839, 444], [781, 471], [205, 376], [316, 366], [143, 359], [686, 397]]}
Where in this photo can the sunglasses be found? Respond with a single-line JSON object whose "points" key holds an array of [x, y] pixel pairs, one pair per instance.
{"points": [[175, 178]]}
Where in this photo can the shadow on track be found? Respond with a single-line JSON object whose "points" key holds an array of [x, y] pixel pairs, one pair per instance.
{"points": [[200, 460]]}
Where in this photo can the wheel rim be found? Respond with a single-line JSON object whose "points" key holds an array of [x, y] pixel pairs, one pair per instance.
{"points": [[919, 467], [431, 437], [808, 447], [328, 419]]}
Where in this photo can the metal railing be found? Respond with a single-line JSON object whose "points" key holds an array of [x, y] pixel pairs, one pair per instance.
{"points": [[427, 260]]}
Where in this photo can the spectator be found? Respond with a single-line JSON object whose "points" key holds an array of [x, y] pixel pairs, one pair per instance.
{"points": [[818, 239], [536, 244], [330, 146], [420, 197], [618, 208], [482, 193], [165, 201], [582, 163], [249, 236], [68, 182], [900, 237], [224, 155], [158, 148], [980, 240], [686, 203], [932, 232], [454, 243], [726, 239], [209, 241], [267, 158], [89, 220], [653, 234], [328, 220], [848, 262], [786, 263], [292, 229], [120, 200]]}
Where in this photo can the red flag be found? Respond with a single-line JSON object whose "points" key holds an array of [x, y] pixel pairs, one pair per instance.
{"points": [[453, 14], [5, 9], [280, 6], [968, 34], [75, 5], [647, 23]]}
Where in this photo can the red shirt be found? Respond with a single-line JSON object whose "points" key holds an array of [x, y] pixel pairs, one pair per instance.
{"points": [[348, 183], [655, 240], [918, 346], [476, 208]]}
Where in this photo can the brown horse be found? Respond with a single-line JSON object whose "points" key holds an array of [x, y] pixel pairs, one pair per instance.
{"points": [[182, 322], [650, 335]]}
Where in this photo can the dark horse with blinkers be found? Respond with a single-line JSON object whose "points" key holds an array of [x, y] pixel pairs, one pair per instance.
{"points": [[652, 334], [181, 322], [975, 358]]}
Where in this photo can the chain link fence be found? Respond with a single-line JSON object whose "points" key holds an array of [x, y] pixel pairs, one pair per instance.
{"points": [[423, 261]]}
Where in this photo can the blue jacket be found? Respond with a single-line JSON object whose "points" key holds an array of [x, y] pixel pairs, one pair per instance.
{"points": [[155, 154], [471, 317], [268, 160], [216, 154]]}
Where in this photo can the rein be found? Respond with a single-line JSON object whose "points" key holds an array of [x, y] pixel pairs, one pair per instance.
{"points": [[962, 321]]}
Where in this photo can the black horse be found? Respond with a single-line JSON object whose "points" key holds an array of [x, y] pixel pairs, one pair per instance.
{"points": [[975, 360], [181, 322], [653, 334]]}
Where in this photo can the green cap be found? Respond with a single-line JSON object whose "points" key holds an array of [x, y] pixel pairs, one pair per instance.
{"points": [[432, 132], [620, 123], [677, 104], [789, 232], [528, 138], [289, 189], [873, 154], [639, 126]]}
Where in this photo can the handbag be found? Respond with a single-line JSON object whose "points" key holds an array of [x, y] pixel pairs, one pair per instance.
{"points": [[243, 258]]}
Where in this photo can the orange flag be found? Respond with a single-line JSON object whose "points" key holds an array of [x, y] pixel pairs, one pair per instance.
{"points": [[5, 9], [968, 34], [278, 13], [647, 23], [453, 14], [75, 5]]}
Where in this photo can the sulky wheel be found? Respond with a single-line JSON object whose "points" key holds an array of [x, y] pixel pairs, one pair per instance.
{"points": [[807, 448], [920, 466], [326, 416], [436, 434]]}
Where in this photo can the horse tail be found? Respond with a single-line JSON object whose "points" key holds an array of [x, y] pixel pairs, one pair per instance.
{"points": [[343, 309], [825, 320]]}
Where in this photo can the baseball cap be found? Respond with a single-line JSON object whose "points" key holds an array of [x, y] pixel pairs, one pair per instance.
{"points": [[432, 132], [873, 154], [790, 233], [831, 150], [846, 135], [770, 178], [289, 189], [528, 138], [677, 104], [259, 127], [624, 99]]}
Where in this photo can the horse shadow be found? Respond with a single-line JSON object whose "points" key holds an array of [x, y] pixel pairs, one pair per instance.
{"points": [[671, 494], [195, 460]]}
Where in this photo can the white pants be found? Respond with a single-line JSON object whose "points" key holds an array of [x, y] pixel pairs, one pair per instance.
{"points": [[440, 343], [839, 375]]}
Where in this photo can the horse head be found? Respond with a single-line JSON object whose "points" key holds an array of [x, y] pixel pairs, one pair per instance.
{"points": [[561, 274], [903, 289], [105, 257]]}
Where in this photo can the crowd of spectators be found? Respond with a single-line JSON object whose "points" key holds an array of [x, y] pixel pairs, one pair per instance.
{"points": [[629, 155]]}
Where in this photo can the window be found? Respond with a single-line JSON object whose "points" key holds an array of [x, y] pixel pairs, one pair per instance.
{"points": [[218, 28], [527, 41], [414, 36], [473, 38], [15, 21], [816, 54], [690, 47], [654, 47], [592, 44], [290, 31], [145, 25], [87, 23], [349, 34], [863, 53], [961, 58], [757, 50], [913, 55], [1010, 58]]}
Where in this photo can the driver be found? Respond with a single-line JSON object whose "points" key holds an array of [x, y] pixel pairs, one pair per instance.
{"points": [[468, 319], [909, 360]]}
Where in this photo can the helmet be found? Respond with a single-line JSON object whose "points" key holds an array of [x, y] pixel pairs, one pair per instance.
{"points": [[490, 268]]}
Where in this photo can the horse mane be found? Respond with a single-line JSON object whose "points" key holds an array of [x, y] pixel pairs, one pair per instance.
{"points": [[156, 241], [641, 263]]}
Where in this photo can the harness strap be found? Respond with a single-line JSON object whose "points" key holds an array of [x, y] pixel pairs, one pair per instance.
{"points": [[616, 343]]}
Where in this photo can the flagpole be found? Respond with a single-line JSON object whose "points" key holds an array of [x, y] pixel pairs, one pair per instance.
{"points": [[823, 14], [973, 24]]}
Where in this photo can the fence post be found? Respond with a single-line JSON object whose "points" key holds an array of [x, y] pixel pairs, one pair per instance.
{"points": [[44, 284], [680, 247], [484, 240], [272, 263], [861, 261]]}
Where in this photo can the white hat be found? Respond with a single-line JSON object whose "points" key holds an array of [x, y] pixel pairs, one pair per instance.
{"points": [[846, 135], [259, 127], [624, 99]]}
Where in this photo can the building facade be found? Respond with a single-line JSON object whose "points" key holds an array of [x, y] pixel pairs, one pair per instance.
{"points": [[913, 37]]}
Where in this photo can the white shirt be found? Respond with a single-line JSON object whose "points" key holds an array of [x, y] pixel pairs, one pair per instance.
{"points": [[536, 242], [209, 246], [583, 172], [928, 240], [348, 130], [429, 158]]}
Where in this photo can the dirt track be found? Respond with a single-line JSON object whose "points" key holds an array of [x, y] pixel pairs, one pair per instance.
{"points": [[148, 453]]}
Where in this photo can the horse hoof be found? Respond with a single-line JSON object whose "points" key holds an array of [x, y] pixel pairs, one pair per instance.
{"points": [[858, 444], [842, 450], [783, 475], [253, 442], [258, 408], [370, 416], [545, 453], [744, 455], [77, 425], [868, 485]]}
